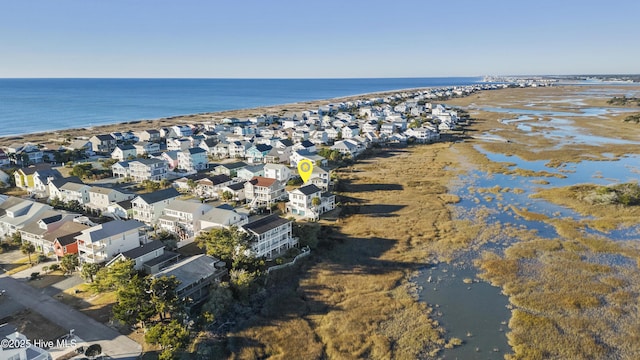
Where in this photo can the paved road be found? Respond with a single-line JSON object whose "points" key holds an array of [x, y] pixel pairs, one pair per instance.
{"points": [[113, 343]]}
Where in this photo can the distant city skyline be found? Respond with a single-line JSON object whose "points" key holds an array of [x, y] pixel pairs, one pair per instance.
{"points": [[320, 39]]}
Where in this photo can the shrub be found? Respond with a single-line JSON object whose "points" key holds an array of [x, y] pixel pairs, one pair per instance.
{"points": [[34, 276]]}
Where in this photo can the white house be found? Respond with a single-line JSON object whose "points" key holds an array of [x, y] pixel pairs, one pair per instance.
{"points": [[182, 130], [220, 217], [15, 213], [182, 217], [101, 197], [301, 202], [261, 191], [102, 242], [271, 236], [423, 134], [193, 159], [148, 207], [178, 144], [124, 152], [279, 172]]}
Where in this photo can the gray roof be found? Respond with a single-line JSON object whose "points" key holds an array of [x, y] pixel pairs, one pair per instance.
{"points": [[191, 270], [265, 224], [143, 249], [160, 195], [309, 189], [102, 231], [187, 206]]}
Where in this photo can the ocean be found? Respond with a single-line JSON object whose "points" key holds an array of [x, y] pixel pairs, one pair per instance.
{"points": [[38, 105]]}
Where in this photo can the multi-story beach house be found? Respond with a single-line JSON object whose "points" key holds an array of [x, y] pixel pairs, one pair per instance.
{"points": [[182, 217], [34, 231], [101, 243], [301, 202], [270, 236], [101, 197], [262, 191], [148, 207], [124, 152], [151, 135], [147, 169], [279, 172], [103, 144], [193, 159], [15, 213]]}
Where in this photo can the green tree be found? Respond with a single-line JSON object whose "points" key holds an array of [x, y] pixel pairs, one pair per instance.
{"points": [[227, 195], [220, 299], [89, 270], [191, 184], [163, 295], [307, 233], [164, 183], [171, 337], [115, 276], [133, 302], [150, 185], [16, 238], [242, 282], [316, 201], [27, 248], [82, 170], [68, 263], [227, 244]]}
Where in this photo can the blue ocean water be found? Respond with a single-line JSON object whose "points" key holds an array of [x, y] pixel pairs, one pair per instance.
{"points": [[37, 105]]}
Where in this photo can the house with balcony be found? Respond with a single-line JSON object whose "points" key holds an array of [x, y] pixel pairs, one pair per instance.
{"points": [[34, 232], [193, 159], [124, 152], [210, 186], [147, 208], [150, 135], [178, 144], [101, 197], [63, 239], [182, 218], [301, 202], [148, 169], [102, 242], [279, 172], [257, 153], [103, 144], [262, 192], [16, 213], [146, 148], [25, 154], [182, 130], [270, 236], [149, 257], [320, 178], [196, 275]]}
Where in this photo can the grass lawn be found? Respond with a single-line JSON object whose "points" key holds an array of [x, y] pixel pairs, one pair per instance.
{"points": [[97, 306], [20, 265]]}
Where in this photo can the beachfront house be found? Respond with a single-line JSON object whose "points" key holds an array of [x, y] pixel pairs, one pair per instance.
{"points": [[124, 152], [103, 144], [151, 135], [182, 130]]}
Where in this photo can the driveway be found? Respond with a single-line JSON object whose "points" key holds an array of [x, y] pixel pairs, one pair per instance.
{"points": [[114, 344]]}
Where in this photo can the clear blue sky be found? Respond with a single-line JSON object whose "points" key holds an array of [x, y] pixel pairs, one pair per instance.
{"points": [[316, 38]]}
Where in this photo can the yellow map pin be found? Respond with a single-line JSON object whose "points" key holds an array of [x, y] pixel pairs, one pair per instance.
{"points": [[305, 168]]}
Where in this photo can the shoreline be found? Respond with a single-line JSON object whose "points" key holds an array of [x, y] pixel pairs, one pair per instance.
{"points": [[141, 124]]}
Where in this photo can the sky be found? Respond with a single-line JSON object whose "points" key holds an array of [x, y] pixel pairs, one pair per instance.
{"points": [[317, 38]]}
